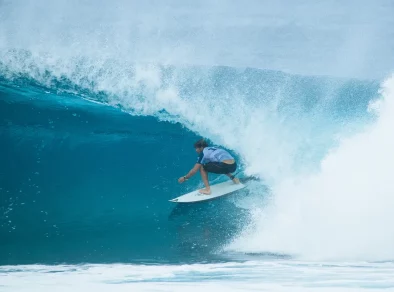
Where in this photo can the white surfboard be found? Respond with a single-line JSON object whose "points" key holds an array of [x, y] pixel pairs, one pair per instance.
{"points": [[217, 190]]}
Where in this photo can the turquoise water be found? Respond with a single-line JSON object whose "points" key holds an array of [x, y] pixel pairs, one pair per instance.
{"points": [[100, 105]]}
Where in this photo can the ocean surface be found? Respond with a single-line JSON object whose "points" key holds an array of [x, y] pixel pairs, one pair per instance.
{"points": [[101, 102]]}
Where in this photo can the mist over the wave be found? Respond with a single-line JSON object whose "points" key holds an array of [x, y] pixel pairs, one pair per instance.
{"points": [[309, 38]]}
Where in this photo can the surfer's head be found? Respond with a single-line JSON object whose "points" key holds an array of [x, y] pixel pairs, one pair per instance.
{"points": [[200, 145]]}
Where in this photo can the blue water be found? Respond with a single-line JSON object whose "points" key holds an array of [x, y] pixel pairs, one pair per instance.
{"points": [[95, 185], [100, 105]]}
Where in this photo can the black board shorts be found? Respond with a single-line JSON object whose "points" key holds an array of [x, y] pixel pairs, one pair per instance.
{"points": [[220, 167]]}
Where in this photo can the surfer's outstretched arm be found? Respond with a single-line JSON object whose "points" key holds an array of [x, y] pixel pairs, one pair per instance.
{"points": [[192, 172]]}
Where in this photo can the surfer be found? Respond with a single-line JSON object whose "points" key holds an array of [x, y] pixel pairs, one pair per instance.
{"points": [[214, 160]]}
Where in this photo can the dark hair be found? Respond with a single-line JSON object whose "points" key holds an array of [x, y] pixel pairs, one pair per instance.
{"points": [[201, 143]]}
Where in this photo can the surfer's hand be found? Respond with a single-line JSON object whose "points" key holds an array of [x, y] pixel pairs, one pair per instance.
{"points": [[181, 179]]}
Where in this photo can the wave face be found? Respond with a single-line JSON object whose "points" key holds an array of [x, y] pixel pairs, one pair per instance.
{"points": [[100, 109]]}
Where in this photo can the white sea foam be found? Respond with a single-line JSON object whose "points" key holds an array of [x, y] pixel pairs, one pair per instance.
{"points": [[248, 276], [344, 210]]}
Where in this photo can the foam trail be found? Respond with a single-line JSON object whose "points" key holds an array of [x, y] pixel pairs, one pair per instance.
{"points": [[344, 211]]}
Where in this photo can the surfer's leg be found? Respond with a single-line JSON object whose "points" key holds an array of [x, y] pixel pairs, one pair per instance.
{"points": [[230, 169], [204, 176], [233, 178]]}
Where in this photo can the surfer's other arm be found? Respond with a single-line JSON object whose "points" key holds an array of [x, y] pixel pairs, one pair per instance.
{"points": [[192, 172]]}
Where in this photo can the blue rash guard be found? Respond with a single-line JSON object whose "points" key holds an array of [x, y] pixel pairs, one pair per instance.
{"points": [[213, 154]]}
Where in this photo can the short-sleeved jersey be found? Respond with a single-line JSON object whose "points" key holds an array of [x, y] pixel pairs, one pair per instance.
{"points": [[213, 154]]}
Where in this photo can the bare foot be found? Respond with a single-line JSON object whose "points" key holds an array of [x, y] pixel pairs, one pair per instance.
{"points": [[236, 180], [205, 191]]}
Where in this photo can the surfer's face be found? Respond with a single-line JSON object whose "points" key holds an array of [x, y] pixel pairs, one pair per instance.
{"points": [[198, 150]]}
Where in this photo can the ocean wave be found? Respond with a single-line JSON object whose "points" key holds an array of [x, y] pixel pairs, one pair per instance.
{"points": [[100, 112]]}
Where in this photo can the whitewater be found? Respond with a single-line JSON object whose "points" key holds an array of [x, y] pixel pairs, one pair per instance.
{"points": [[101, 102]]}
